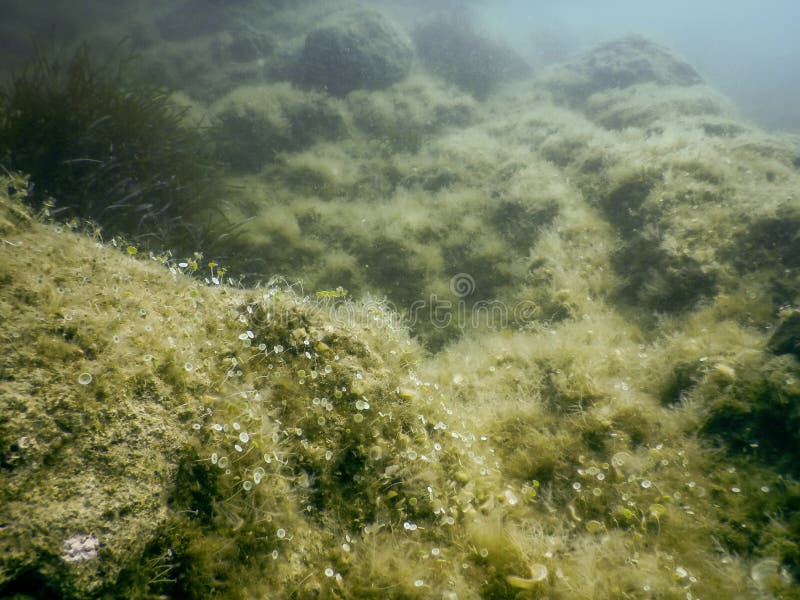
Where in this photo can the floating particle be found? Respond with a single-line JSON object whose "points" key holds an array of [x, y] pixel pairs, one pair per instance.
{"points": [[281, 533], [620, 458], [768, 570], [85, 378]]}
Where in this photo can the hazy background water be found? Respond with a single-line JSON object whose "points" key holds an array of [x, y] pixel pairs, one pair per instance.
{"points": [[749, 49]]}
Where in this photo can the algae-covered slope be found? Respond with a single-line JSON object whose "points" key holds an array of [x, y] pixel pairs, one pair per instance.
{"points": [[163, 436], [582, 382], [640, 181]]}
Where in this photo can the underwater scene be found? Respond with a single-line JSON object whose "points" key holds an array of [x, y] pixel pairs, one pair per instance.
{"points": [[452, 300]]}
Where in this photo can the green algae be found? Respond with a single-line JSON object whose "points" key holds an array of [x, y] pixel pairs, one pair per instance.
{"points": [[614, 436], [109, 148]]}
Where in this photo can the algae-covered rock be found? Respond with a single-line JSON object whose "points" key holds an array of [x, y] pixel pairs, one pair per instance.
{"points": [[162, 435], [457, 54], [86, 461], [361, 50], [619, 64], [786, 339], [754, 408], [403, 116], [253, 124]]}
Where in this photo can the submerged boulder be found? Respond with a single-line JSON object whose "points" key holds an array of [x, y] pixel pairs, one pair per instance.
{"points": [[162, 437], [454, 52], [786, 339], [253, 124], [361, 51], [620, 64]]}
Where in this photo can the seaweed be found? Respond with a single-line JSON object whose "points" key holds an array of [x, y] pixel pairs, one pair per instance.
{"points": [[105, 146]]}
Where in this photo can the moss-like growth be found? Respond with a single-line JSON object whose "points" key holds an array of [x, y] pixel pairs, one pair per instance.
{"points": [[410, 112], [254, 124], [596, 412], [755, 409]]}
